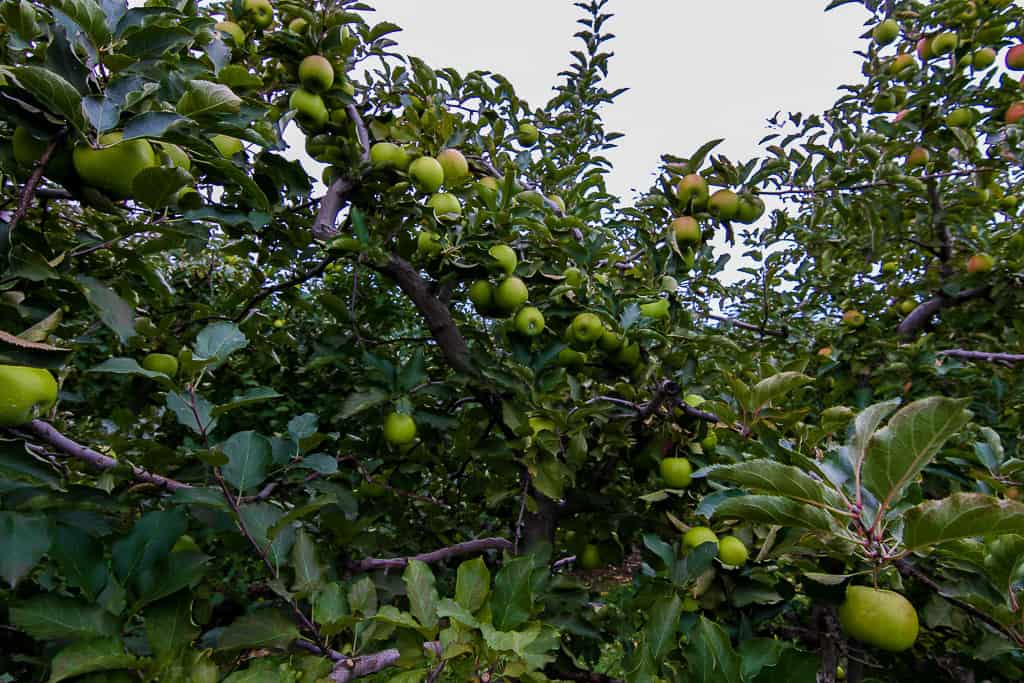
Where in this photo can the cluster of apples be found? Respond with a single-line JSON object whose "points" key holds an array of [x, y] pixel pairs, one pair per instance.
{"points": [[696, 199]]}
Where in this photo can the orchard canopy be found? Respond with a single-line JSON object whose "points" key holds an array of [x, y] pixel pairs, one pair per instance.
{"points": [[452, 411]]}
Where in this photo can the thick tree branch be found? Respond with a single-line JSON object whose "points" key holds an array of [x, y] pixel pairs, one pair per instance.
{"points": [[467, 548], [51, 436], [330, 206], [781, 333], [668, 391], [919, 317], [29, 191], [987, 356]]}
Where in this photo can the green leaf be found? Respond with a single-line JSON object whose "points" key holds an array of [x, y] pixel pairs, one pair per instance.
{"points": [[793, 666], [129, 366], [89, 16], [158, 186], [512, 599], [21, 19], [248, 458], [218, 341], [662, 625], [149, 542], [711, 656], [758, 653], [24, 539], [449, 609], [183, 569], [771, 389], [389, 614], [264, 628], [80, 558], [249, 397], [51, 617], [774, 510], [259, 519], [472, 584], [18, 351], [194, 412], [169, 627], [961, 515], [104, 654], [898, 452], [52, 91], [303, 426], [362, 596], [306, 562], [205, 98], [774, 478], [422, 591], [360, 401], [28, 264], [113, 311], [330, 608], [867, 421]]}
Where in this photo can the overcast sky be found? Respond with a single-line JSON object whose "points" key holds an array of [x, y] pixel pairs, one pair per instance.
{"points": [[697, 69]]}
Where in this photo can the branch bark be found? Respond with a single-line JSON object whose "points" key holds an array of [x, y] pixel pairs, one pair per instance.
{"points": [[919, 317], [46, 433], [350, 668], [987, 356], [292, 282], [467, 548], [781, 333], [29, 191]]}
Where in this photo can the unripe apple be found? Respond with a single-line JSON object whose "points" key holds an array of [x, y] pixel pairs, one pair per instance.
{"points": [[177, 156], [990, 33], [587, 327], [481, 294], [489, 183], [907, 306], [399, 429], [297, 25], [686, 229], [724, 204], [980, 263], [316, 74], [505, 257], [919, 156], [113, 167], [261, 12], [446, 206], [709, 441], [732, 552], [527, 134], [853, 318], [389, 155], [944, 43], [233, 30], [227, 146], [510, 294], [609, 341], [427, 174], [886, 31], [428, 243], [676, 472], [692, 192], [310, 109], [628, 356], [751, 209], [161, 362], [571, 358], [960, 118], [924, 48], [529, 321], [455, 167], [531, 197], [890, 268], [984, 58], [590, 558], [698, 536], [655, 309], [1015, 58], [878, 617], [903, 66], [25, 394], [573, 277], [1015, 112]]}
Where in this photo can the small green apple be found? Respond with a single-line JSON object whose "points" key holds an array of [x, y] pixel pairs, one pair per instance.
{"points": [[698, 536], [963, 117], [161, 362], [316, 74], [505, 257], [428, 243], [886, 31], [446, 206], [399, 429], [609, 341], [944, 43], [510, 294], [669, 284], [389, 155], [455, 167], [732, 552], [297, 25], [907, 306], [310, 109], [918, 157], [983, 58], [233, 30], [890, 268], [25, 394], [573, 277], [571, 358], [751, 209], [481, 294], [227, 145], [853, 318], [709, 441], [261, 12], [692, 192], [677, 472], [655, 309], [113, 167], [527, 134], [590, 558], [489, 184], [587, 328], [686, 229], [427, 173], [529, 321], [724, 204], [903, 66]]}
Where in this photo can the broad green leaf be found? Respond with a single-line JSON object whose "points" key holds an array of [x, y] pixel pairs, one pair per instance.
{"points": [[24, 539], [27, 264], [449, 609], [898, 452], [1004, 560], [101, 112], [362, 596], [422, 591], [306, 562], [89, 16], [665, 552], [472, 584], [247, 398], [259, 519], [711, 656], [219, 340], [129, 366], [510, 641], [152, 124], [303, 426], [662, 623], [771, 389], [149, 542], [330, 607], [80, 558], [512, 599], [50, 617], [113, 311], [55, 93], [264, 628], [362, 400], [192, 411], [864, 426], [775, 510], [182, 569], [104, 654], [389, 614], [21, 19], [768, 476], [793, 666], [158, 186], [203, 98], [169, 627], [961, 515], [248, 458]]}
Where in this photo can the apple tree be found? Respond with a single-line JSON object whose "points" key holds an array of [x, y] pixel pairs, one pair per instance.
{"points": [[446, 409]]}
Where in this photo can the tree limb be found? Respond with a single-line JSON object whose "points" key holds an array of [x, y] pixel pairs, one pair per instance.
{"points": [[782, 333], [361, 133], [330, 206], [287, 284], [46, 433], [990, 357], [467, 548], [29, 191], [560, 674], [919, 317]]}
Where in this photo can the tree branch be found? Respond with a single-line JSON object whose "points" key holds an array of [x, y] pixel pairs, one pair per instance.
{"points": [[46, 433], [361, 133], [990, 357], [29, 191], [467, 548], [560, 674], [667, 391], [920, 316], [287, 284], [330, 206], [781, 333]]}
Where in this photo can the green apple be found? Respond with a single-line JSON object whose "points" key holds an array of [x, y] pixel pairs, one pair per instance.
{"points": [[918, 157], [399, 429], [907, 306], [924, 48], [676, 472], [310, 109], [233, 30], [1015, 58], [1014, 113], [709, 441], [510, 294], [25, 394], [481, 294], [980, 263], [260, 11], [446, 206], [527, 134], [732, 552], [297, 25], [885, 32], [389, 155], [903, 66], [692, 192], [573, 277], [428, 243], [984, 58], [489, 183], [960, 118], [890, 268], [698, 536], [944, 43], [751, 209], [724, 204], [427, 174], [590, 558], [505, 257], [227, 145], [686, 230], [161, 362], [316, 74], [571, 358], [113, 167], [609, 341], [177, 155], [531, 197], [853, 318], [628, 356], [878, 617], [529, 321], [655, 309], [587, 328], [455, 167], [669, 284], [28, 150]]}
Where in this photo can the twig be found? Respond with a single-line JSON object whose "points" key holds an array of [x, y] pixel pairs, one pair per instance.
{"points": [[350, 668], [383, 484], [990, 357], [522, 514], [48, 434], [29, 191], [361, 132], [781, 333], [667, 391], [920, 316], [466, 548], [287, 284]]}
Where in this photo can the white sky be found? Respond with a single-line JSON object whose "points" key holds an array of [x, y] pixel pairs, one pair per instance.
{"points": [[698, 69]]}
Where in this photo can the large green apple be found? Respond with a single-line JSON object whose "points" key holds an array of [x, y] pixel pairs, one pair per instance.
{"points": [[510, 294], [455, 167], [944, 43], [233, 30], [732, 552], [428, 243], [25, 394], [587, 328], [505, 257], [724, 204], [389, 155], [297, 25], [481, 294], [609, 341], [961, 118], [677, 472], [527, 134], [751, 208], [446, 206], [227, 146], [399, 429], [161, 362], [628, 355], [698, 536], [686, 229], [113, 167], [570, 358], [310, 109], [984, 58], [879, 617], [692, 191], [261, 12], [427, 174], [886, 31], [529, 321], [316, 74], [573, 276]]}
